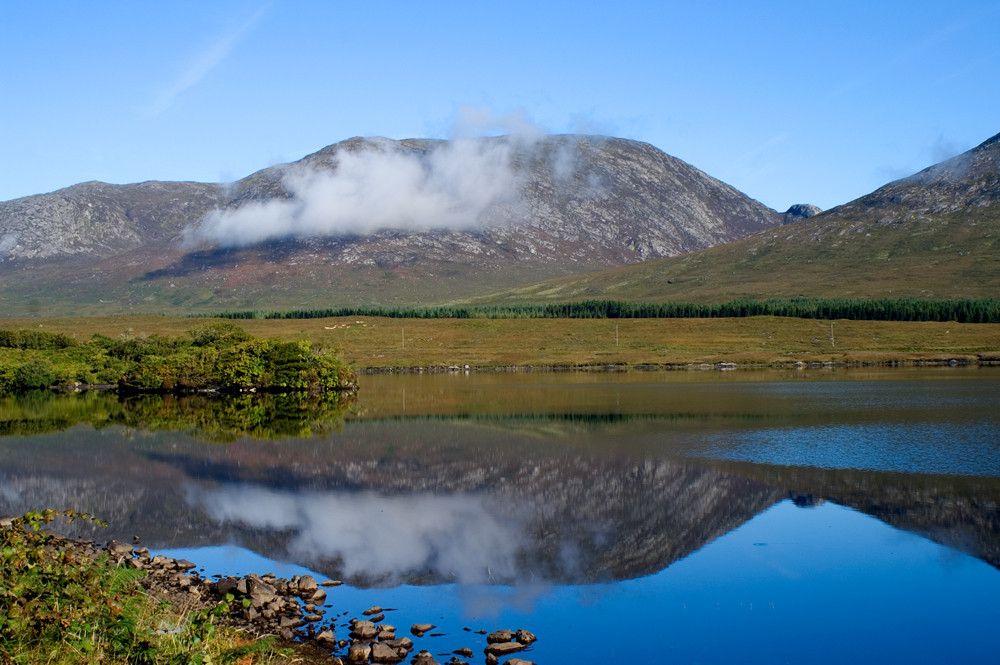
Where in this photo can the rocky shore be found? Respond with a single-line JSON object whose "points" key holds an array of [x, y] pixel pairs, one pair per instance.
{"points": [[298, 612]]}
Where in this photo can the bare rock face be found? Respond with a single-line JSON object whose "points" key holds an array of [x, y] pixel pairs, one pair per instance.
{"points": [[96, 219]]}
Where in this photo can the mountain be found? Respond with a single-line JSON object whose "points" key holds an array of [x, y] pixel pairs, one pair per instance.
{"points": [[365, 221], [931, 235]]}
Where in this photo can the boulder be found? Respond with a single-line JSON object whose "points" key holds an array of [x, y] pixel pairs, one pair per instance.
{"points": [[419, 629], [358, 652], [402, 643], [364, 630], [383, 653], [499, 636], [307, 586], [424, 658], [500, 649]]}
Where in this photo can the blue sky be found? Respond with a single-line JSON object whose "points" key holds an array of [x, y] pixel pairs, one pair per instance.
{"points": [[790, 102]]}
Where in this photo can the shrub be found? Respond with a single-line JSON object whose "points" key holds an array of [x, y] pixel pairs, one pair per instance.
{"points": [[36, 373]]}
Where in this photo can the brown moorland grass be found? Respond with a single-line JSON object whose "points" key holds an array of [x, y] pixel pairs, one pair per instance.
{"points": [[375, 342]]}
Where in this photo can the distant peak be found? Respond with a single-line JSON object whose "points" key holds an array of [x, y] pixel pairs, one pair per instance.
{"points": [[800, 211]]}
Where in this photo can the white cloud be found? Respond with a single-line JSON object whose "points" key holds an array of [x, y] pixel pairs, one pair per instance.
{"points": [[386, 187]]}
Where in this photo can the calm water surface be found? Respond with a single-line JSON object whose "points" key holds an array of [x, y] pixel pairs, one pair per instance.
{"points": [[678, 517]]}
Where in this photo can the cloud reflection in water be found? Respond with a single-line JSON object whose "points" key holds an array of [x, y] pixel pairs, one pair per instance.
{"points": [[388, 539]]}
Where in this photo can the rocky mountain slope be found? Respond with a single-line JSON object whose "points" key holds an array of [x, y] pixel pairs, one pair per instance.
{"points": [[366, 221], [932, 234]]}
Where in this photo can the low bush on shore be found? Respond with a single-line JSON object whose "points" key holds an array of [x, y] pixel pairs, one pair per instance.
{"points": [[218, 356]]}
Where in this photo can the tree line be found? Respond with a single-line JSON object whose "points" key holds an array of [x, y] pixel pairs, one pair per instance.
{"points": [[960, 311]]}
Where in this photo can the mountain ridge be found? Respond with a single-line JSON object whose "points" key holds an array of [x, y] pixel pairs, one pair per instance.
{"points": [[560, 205]]}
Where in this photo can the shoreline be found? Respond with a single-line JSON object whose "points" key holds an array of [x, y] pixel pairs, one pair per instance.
{"points": [[297, 611], [680, 367]]}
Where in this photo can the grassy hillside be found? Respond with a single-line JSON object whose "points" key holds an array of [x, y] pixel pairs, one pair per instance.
{"points": [[949, 256]]}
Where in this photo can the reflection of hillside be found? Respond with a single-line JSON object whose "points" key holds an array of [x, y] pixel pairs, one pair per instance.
{"points": [[545, 511], [214, 418], [426, 501], [961, 512]]}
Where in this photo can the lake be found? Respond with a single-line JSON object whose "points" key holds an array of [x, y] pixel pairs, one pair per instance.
{"points": [[679, 517]]}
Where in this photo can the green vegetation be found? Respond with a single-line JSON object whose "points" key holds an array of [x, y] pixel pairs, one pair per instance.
{"points": [[59, 605], [218, 356], [219, 419], [961, 311]]}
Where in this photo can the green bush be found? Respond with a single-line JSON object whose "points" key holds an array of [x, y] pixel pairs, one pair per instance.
{"points": [[36, 373]]}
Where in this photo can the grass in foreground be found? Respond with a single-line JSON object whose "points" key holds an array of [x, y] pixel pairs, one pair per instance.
{"points": [[58, 605]]}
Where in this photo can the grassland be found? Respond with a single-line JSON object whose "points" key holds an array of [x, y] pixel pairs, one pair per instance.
{"points": [[373, 342]]}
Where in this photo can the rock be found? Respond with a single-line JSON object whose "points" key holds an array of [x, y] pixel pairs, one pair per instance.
{"points": [[163, 562], [374, 609], [383, 653], [464, 651], [312, 618], [386, 633], [499, 636], [525, 637], [307, 586], [289, 622], [332, 583], [491, 659], [260, 592], [404, 643], [184, 564], [326, 638], [119, 550], [318, 597], [358, 652], [227, 585], [424, 658], [419, 629], [504, 648], [518, 661], [378, 617], [364, 630]]}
